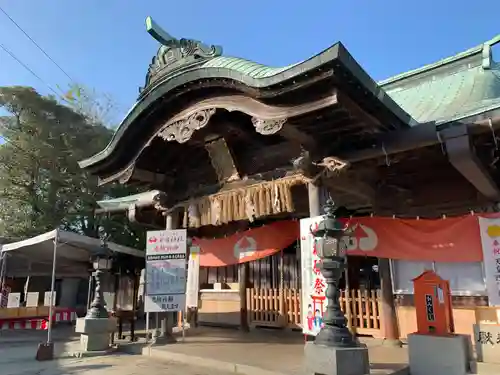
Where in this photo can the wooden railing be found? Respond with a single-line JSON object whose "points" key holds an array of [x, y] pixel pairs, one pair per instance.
{"points": [[362, 311], [268, 307], [264, 307], [292, 307]]}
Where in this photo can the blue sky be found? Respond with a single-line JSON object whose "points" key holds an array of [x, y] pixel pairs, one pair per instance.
{"points": [[103, 43]]}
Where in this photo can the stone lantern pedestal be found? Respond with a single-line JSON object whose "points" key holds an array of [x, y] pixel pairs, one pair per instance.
{"points": [[97, 326], [95, 333], [327, 360]]}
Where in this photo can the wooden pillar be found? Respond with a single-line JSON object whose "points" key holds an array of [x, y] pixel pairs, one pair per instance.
{"points": [[283, 320], [116, 289], [314, 194], [347, 294], [169, 222], [168, 321], [179, 316], [389, 321], [135, 294], [243, 271]]}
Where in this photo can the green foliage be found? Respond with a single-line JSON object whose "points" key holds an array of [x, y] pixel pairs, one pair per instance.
{"points": [[41, 184]]}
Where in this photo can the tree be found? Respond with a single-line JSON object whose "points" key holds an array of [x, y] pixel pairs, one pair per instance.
{"points": [[41, 184], [97, 108]]}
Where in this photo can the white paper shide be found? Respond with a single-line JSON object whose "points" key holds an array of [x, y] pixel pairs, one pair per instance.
{"points": [[165, 270]]}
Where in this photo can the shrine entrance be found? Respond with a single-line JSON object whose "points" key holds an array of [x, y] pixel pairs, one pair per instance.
{"points": [[281, 307]]}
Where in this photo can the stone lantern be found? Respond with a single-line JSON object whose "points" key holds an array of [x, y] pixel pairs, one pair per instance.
{"points": [[335, 350]]}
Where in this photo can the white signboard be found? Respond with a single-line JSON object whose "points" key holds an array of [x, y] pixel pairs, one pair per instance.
{"points": [[490, 241], [13, 300], [193, 277], [165, 270], [32, 299], [313, 303], [48, 297]]}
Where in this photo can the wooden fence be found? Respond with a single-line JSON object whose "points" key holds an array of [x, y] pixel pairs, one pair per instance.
{"points": [[269, 308]]}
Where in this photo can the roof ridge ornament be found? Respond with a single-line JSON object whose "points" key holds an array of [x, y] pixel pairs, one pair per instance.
{"points": [[175, 54], [487, 53]]}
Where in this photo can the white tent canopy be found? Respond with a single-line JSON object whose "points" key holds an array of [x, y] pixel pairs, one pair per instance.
{"points": [[34, 256]]}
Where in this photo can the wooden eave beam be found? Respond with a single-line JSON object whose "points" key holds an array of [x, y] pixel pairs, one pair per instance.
{"points": [[394, 142], [357, 112], [463, 157], [348, 184], [418, 136], [291, 133]]}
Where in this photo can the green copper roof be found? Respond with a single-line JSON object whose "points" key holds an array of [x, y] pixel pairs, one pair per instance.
{"points": [[451, 89], [245, 67], [451, 97]]}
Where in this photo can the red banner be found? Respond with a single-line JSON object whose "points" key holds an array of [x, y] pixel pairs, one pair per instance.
{"points": [[246, 246], [442, 240]]}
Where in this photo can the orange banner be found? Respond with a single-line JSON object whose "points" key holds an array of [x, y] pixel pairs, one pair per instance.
{"points": [[246, 246], [442, 240]]}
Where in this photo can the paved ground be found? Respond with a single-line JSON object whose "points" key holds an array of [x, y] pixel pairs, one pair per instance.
{"points": [[258, 353], [110, 365], [265, 350], [18, 350]]}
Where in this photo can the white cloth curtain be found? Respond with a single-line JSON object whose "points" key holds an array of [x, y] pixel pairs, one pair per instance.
{"points": [[466, 279]]}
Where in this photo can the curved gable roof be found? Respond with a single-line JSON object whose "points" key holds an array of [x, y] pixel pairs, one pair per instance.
{"points": [[453, 88]]}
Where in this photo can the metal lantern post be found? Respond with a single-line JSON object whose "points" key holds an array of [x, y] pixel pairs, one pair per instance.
{"points": [[330, 237], [97, 326], [102, 262]]}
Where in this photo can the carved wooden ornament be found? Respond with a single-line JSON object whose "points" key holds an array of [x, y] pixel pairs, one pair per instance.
{"points": [[333, 165], [269, 126], [183, 129]]}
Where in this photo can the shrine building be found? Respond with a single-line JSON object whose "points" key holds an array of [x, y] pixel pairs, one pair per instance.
{"points": [[223, 146]]}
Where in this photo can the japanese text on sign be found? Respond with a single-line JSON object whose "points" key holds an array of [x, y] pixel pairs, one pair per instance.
{"points": [[165, 270], [166, 302], [487, 338], [313, 283], [429, 305], [166, 241]]}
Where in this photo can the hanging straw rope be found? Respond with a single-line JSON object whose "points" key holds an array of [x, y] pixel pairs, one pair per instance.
{"points": [[245, 203]]}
